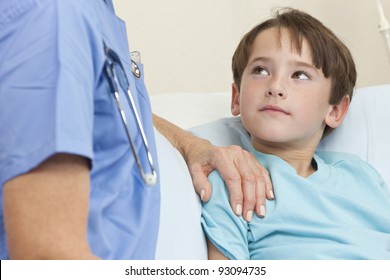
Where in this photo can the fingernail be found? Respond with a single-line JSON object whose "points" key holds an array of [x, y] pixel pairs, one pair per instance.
{"points": [[262, 210], [271, 194], [249, 216], [202, 193], [238, 210]]}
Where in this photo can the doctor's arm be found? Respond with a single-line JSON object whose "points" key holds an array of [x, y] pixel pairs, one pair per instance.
{"points": [[46, 210], [248, 182]]}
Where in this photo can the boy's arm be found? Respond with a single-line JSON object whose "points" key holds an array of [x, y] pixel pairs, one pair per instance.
{"points": [[248, 182], [213, 253], [46, 210]]}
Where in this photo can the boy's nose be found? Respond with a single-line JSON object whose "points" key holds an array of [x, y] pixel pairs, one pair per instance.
{"points": [[276, 93], [277, 88]]}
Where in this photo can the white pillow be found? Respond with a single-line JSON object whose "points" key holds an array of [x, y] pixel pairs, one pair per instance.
{"points": [[364, 132], [180, 233], [366, 129]]}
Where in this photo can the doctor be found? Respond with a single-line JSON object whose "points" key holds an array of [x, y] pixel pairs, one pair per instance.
{"points": [[78, 165]]}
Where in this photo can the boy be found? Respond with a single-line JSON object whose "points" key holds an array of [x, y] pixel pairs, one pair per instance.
{"points": [[293, 82]]}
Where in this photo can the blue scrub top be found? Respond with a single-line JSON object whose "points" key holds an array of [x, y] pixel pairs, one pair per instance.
{"points": [[55, 98]]}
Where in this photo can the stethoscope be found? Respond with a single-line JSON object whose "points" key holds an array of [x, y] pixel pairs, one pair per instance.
{"points": [[112, 65]]}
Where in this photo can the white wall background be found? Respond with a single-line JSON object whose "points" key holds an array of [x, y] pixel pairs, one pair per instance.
{"points": [[187, 46]]}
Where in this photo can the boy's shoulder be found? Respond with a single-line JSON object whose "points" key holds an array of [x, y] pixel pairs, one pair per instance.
{"points": [[348, 162], [215, 178], [334, 158]]}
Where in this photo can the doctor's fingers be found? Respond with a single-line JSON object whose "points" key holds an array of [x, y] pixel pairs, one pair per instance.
{"points": [[200, 181], [243, 176], [255, 185], [264, 188]]}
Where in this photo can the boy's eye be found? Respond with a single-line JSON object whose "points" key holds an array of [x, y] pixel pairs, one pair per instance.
{"points": [[260, 71], [301, 76]]}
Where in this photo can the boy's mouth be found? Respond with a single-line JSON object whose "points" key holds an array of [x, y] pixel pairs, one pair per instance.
{"points": [[273, 109]]}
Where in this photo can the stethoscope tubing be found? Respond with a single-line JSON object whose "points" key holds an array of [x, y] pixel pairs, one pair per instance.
{"points": [[111, 59]]}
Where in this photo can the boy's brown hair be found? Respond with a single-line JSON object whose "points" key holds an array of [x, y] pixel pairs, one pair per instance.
{"points": [[328, 52]]}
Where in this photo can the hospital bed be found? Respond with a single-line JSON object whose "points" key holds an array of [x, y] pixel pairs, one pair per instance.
{"points": [[364, 132]]}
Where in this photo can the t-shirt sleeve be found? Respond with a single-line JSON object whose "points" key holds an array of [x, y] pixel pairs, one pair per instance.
{"points": [[46, 86], [223, 228]]}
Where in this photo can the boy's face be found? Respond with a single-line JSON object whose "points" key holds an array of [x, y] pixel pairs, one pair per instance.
{"points": [[283, 99]]}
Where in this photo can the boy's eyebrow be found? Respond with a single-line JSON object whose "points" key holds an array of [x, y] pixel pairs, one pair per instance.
{"points": [[292, 62], [259, 58], [304, 64]]}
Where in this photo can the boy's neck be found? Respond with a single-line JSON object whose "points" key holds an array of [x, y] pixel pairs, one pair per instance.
{"points": [[300, 159]]}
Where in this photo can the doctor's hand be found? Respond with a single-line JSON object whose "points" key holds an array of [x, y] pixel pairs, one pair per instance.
{"points": [[248, 181]]}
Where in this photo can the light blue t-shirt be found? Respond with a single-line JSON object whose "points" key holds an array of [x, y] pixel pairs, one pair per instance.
{"points": [[55, 98], [342, 211]]}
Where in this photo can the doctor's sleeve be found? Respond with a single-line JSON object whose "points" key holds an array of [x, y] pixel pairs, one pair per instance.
{"points": [[46, 88], [223, 228]]}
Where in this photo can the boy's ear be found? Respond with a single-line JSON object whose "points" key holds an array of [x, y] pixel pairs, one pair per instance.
{"points": [[235, 105], [337, 112]]}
